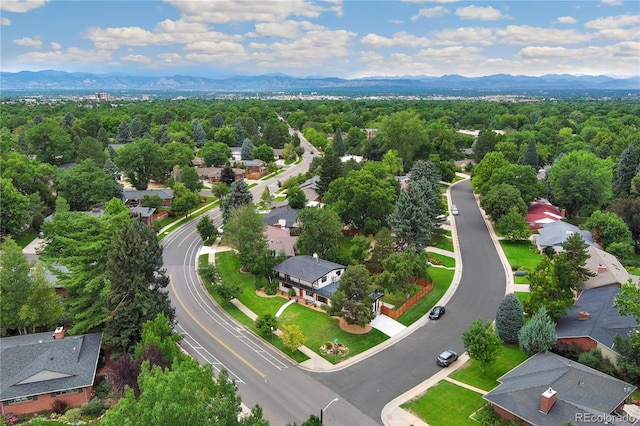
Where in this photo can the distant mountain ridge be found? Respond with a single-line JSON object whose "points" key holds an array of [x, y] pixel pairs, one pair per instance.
{"points": [[60, 80]]}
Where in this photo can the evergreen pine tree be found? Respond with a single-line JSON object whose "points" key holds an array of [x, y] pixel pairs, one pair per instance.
{"points": [[509, 318], [412, 219], [238, 195], [338, 143], [531, 157], [627, 169], [135, 128], [199, 135], [330, 170], [538, 335], [246, 151], [123, 135]]}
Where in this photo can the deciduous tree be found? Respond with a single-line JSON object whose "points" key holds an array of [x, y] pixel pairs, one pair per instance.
{"points": [[245, 232], [141, 161], [207, 229], [295, 197], [84, 185], [481, 342], [15, 284], [352, 300], [320, 231], [292, 337], [215, 153], [14, 214]]}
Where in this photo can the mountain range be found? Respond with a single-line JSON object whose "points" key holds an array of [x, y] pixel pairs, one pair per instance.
{"points": [[500, 83]]}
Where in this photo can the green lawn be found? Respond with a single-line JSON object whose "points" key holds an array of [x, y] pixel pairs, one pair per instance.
{"points": [[442, 279], [522, 296], [443, 242], [228, 266], [439, 259], [446, 404], [521, 254], [471, 373], [23, 240]]}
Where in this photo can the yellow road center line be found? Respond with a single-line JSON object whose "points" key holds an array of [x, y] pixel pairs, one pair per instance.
{"points": [[237, 355]]}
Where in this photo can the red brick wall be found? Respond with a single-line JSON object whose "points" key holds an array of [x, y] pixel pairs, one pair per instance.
{"points": [[45, 401], [584, 342], [508, 416]]}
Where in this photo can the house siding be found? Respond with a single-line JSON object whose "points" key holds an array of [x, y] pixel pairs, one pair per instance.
{"points": [[45, 402]]}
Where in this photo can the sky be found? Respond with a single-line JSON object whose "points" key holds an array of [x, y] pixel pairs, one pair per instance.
{"points": [[336, 38]]}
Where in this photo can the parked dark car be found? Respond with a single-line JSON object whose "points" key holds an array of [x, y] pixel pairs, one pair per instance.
{"points": [[436, 312], [447, 358]]}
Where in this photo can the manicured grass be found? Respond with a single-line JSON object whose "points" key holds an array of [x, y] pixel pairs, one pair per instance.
{"points": [[522, 296], [442, 279], [228, 266], [432, 405], [471, 373], [320, 328], [23, 240], [521, 254], [443, 243], [397, 298], [280, 198], [439, 259]]}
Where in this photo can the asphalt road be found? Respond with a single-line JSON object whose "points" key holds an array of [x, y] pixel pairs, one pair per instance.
{"points": [[372, 383], [287, 393]]}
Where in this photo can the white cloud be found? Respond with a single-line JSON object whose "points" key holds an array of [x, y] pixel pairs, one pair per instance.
{"points": [[29, 42], [429, 1], [611, 2], [5, 21], [399, 39], [170, 58], [430, 12], [72, 54], [524, 34], [208, 51], [311, 49], [21, 6], [286, 29], [612, 22], [481, 13], [457, 53], [141, 59], [465, 35], [225, 11], [165, 32], [619, 34], [56, 46], [566, 20]]}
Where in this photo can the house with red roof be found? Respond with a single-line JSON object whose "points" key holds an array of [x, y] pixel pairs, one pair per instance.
{"points": [[540, 213]]}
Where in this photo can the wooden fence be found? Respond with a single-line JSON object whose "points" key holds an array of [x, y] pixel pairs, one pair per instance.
{"points": [[395, 313]]}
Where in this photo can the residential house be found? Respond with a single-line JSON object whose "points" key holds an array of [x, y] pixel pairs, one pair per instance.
{"points": [[555, 233], [255, 169], [144, 213], [540, 213], [40, 368], [214, 174], [281, 217], [279, 240], [133, 197], [278, 153], [313, 279], [550, 390], [310, 189], [607, 269], [593, 321]]}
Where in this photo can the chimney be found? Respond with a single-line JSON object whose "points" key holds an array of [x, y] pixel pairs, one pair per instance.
{"points": [[59, 333], [584, 315], [547, 399], [315, 256], [601, 269]]}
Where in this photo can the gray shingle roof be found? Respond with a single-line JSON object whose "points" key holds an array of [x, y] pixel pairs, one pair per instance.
{"points": [[613, 272], [605, 321], [136, 194], [307, 268], [273, 217], [579, 389], [37, 363], [555, 233]]}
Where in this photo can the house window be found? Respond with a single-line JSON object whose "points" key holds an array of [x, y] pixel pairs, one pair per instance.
{"points": [[338, 273], [324, 279], [21, 399], [322, 300], [65, 392]]}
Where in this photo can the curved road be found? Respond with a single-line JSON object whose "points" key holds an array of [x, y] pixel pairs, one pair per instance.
{"points": [[287, 393]]}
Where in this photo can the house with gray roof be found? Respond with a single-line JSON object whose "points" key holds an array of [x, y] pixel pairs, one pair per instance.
{"points": [[555, 233], [36, 369], [281, 217], [593, 321], [133, 197], [313, 279], [550, 390]]}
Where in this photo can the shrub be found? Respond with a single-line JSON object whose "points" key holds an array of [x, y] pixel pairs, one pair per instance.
{"points": [[73, 415], [103, 390], [94, 408], [568, 350], [59, 406], [595, 360], [267, 323], [271, 287]]}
